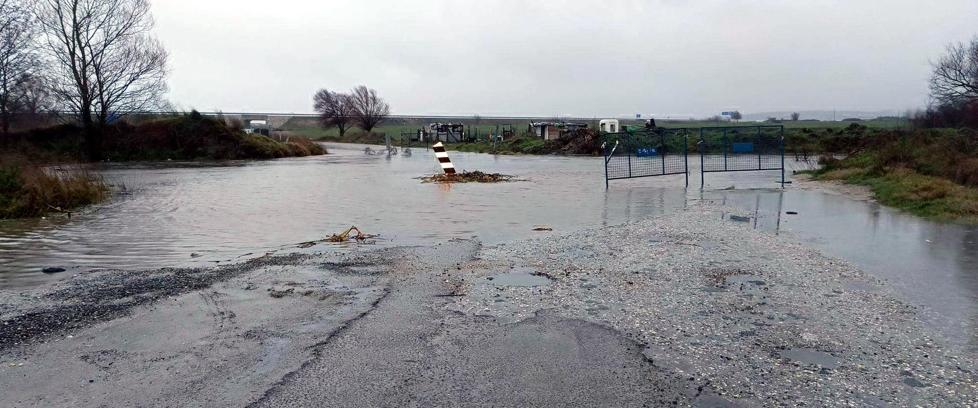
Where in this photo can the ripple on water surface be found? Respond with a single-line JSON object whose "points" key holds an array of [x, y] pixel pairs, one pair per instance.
{"points": [[224, 212]]}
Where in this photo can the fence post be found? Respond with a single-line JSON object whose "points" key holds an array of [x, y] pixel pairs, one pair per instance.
{"points": [[702, 145], [782, 157], [443, 160], [604, 146], [757, 143], [686, 154], [629, 153], [662, 155], [725, 149]]}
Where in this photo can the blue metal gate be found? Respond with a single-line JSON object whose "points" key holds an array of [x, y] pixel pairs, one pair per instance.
{"points": [[741, 148], [647, 153], [665, 151]]}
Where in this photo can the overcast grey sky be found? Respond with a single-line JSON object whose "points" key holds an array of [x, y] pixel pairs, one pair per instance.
{"points": [[582, 58]]}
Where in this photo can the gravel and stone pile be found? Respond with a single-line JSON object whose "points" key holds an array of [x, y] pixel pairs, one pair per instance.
{"points": [[743, 316]]}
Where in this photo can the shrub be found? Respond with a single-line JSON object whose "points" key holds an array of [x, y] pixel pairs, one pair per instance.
{"points": [[263, 147], [186, 137], [967, 172], [28, 190], [301, 147]]}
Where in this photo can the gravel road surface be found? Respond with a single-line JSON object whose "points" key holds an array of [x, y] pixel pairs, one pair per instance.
{"points": [[690, 309]]}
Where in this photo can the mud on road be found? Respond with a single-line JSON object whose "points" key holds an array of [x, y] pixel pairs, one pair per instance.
{"points": [[685, 309]]}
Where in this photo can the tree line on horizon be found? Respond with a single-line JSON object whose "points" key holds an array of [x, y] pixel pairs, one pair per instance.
{"points": [[954, 89], [98, 60], [95, 59], [360, 107]]}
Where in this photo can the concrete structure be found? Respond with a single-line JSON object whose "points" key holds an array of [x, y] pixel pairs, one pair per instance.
{"points": [[610, 126], [447, 132], [443, 160], [553, 130], [258, 126]]}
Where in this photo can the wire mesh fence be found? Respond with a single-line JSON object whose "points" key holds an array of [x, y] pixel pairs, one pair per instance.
{"points": [[665, 151], [742, 148], [657, 152]]}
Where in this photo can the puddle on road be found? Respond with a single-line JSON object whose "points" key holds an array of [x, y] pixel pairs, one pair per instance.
{"points": [[867, 287], [739, 218], [716, 401], [814, 357], [747, 280], [519, 279]]}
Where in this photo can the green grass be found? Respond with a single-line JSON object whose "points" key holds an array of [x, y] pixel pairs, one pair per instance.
{"points": [[395, 131], [921, 195], [879, 123], [803, 136], [522, 145], [930, 173]]}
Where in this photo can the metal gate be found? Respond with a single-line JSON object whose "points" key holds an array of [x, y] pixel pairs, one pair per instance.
{"points": [[662, 151], [741, 148], [658, 152]]}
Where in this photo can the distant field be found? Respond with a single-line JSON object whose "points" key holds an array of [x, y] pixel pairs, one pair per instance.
{"points": [[310, 128], [880, 123]]}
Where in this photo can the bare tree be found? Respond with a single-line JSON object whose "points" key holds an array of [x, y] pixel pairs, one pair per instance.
{"points": [[369, 109], [955, 78], [17, 58], [334, 110], [33, 100], [104, 60], [736, 115], [795, 116]]}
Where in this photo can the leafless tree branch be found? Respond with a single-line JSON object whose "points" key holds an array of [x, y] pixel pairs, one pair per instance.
{"points": [[18, 58], [103, 59], [369, 109], [335, 110], [955, 78]]}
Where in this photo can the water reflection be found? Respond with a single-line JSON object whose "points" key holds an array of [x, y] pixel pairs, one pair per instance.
{"points": [[932, 265], [239, 210]]}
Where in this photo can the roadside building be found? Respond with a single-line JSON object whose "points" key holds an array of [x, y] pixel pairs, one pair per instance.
{"points": [[553, 130], [258, 127], [610, 126], [446, 132]]}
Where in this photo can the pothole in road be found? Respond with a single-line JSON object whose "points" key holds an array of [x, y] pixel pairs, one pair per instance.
{"points": [[814, 357], [723, 280], [520, 279]]}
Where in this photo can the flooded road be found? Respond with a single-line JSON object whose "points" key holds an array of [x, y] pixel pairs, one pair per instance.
{"points": [[192, 214]]}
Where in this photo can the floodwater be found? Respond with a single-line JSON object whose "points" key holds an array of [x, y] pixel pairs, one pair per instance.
{"points": [[180, 214]]}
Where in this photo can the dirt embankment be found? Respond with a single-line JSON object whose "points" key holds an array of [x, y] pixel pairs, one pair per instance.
{"points": [[185, 137]]}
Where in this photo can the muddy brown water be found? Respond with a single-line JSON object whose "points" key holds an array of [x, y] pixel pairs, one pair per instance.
{"points": [[180, 214]]}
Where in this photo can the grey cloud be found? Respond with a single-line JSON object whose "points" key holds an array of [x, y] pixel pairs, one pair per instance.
{"points": [[584, 58]]}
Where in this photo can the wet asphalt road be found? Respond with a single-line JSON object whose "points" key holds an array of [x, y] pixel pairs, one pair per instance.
{"points": [[690, 309], [409, 352]]}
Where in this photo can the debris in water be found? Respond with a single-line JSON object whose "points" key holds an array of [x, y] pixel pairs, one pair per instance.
{"points": [[278, 294], [792, 212], [739, 218], [345, 236], [543, 228], [468, 177], [53, 270]]}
